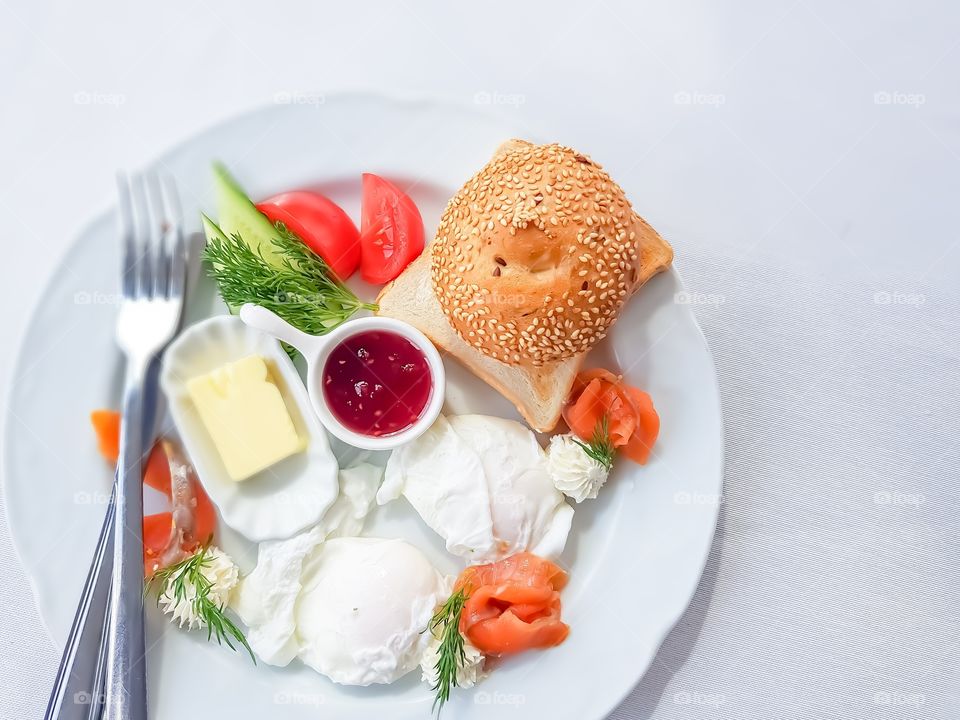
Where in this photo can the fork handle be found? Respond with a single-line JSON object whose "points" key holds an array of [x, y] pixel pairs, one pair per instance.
{"points": [[75, 690], [78, 689], [125, 677]]}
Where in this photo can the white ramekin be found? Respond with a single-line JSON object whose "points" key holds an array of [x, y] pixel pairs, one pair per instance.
{"points": [[316, 349]]}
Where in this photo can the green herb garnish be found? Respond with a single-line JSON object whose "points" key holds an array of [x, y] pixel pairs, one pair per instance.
{"points": [[451, 655], [175, 579], [299, 287], [600, 447]]}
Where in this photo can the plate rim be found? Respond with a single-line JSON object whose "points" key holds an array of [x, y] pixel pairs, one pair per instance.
{"points": [[715, 517]]}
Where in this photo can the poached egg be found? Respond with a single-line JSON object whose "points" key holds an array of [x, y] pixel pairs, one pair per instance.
{"points": [[481, 483], [363, 609], [351, 608]]}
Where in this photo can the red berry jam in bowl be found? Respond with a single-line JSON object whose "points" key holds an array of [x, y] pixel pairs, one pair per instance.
{"points": [[377, 382]]}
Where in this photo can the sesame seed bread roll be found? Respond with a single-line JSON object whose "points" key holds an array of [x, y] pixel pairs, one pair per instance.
{"points": [[532, 263], [537, 253]]}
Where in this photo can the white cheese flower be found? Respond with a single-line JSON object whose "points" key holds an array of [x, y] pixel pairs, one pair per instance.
{"points": [[468, 675], [574, 473], [222, 573]]}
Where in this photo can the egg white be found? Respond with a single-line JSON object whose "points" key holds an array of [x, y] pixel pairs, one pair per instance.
{"points": [[483, 485]]}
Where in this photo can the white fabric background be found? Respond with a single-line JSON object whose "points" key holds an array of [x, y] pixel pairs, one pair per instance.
{"points": [[802, 157]]}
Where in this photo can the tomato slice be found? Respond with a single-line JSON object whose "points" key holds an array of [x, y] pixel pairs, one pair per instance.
{"points": [[391, 230], [321, 224]]}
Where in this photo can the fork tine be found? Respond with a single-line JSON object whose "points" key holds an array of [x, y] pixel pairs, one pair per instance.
{"points": [[171, 200], [160, 223], [142, 222], [128, 268], [178, 259]]}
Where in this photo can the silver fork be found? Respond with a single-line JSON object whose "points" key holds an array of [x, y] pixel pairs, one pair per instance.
{"points": [[77, 689], [154, 269]]}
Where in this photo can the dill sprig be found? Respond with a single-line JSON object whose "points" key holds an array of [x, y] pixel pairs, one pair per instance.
{"points": [[451, 654], [298, 286], [600, 447], [175, 580]]}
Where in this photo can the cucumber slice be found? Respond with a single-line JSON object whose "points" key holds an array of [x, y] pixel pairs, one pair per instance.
{"points": [[239, 216], [211, 230]]}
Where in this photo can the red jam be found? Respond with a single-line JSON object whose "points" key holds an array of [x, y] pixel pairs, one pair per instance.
{"points": [[377, 382]]}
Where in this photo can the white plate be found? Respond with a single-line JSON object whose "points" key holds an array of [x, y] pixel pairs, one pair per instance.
{"points": [[635, 554]]}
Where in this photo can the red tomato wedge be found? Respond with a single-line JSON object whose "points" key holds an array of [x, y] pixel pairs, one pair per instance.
{"points": [[168, 537], [632, 420], [391, 230], [513, 605], [322, 225]]}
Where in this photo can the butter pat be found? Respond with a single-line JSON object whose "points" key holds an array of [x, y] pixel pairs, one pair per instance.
{"points": [[243, 411]]}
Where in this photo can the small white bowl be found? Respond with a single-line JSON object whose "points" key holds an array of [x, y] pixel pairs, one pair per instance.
{"points": [[285, 498], [316, 349]]}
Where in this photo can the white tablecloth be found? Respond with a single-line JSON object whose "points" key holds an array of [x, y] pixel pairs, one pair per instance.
{"points": [[802, 157]]}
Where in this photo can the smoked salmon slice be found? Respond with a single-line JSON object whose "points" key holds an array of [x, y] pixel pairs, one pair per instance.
{"points": [[513, 605], [168, 537], [640, 444], [106, 423], [156, 537], [632, 421]]}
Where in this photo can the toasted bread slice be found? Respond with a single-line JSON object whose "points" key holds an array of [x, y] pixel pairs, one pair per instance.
{"points": [[538, 392]]}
